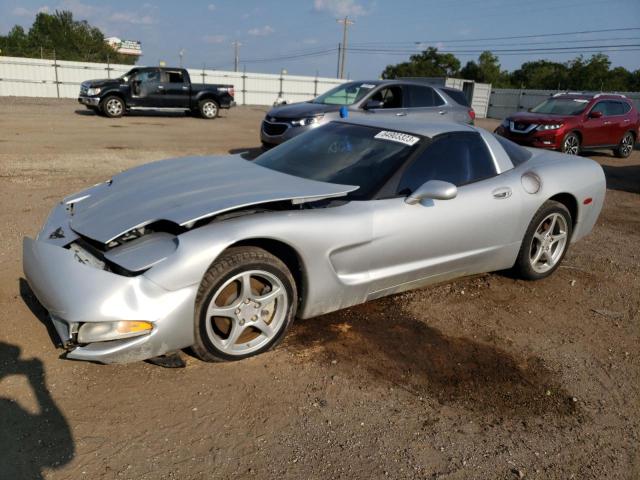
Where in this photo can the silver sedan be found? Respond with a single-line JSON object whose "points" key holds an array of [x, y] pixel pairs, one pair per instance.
{"points": [[221, 254]]}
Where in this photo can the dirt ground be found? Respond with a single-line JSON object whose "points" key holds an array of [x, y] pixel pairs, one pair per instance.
{"points": [[483, 378]]}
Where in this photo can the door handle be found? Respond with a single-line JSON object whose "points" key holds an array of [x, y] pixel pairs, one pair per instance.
{"points": [[607, 123], [401, 114], [442, 112], [185, 88], [501, 193]]}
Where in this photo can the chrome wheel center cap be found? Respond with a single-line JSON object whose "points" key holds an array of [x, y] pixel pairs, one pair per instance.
{"points": [[248, 311]]}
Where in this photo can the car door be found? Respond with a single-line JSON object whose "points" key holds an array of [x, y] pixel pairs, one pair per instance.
{"points": [[392, 98], [594, 129], [414, 245], [174, 89], [424, 100], [144, 88], [618, 122]]}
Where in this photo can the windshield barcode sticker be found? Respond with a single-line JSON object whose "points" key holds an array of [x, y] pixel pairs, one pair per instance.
{"points": [[397, 137]]}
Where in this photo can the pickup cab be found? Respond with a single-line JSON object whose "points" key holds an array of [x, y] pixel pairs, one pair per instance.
{"points": [[155, 88]]}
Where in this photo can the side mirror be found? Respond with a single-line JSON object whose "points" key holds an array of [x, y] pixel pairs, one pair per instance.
{"points": [[595, 115], [373, 105], [434, 189]]}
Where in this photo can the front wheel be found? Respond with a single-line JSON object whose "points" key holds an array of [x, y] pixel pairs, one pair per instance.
{"points": [[245, 304], [208, 109], [625, 147], [113, 107], [571, 144], [545, 243]]}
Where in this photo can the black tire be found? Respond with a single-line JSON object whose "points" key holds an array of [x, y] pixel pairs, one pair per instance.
{"points": [[208, 108], [232, 262], [112, 106], [523, 267], [571, 144], [625, 147]]}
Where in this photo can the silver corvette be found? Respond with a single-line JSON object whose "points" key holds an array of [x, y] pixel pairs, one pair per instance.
{"points": [[220, 254]]}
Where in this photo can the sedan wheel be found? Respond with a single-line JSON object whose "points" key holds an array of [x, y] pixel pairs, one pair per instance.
{"points": [[571, 144], [545, 242], [549, 243], [245, 304]]}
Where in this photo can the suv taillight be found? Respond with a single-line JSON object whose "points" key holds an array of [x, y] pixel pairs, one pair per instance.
{"points": [[472, 114], [232, 91]]}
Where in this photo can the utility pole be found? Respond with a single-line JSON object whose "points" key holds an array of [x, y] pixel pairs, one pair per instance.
{"points": [[345, 25], [339, 60], [236, 47], [181, 54]]}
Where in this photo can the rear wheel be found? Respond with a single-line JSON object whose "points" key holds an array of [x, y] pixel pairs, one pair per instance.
{"points": [[625, 147], [245, 304], [208, 108], [113, 107], [545, 243], [571, 144]]}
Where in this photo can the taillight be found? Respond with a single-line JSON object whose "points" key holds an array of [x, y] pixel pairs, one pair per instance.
{"points": [[232, 92], [472, 114]]}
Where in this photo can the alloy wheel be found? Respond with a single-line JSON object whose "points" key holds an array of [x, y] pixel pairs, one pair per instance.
{"points": [[549, 243], [571, 145], [246, 312], [627, 145], [209, 109], [114, 107]]}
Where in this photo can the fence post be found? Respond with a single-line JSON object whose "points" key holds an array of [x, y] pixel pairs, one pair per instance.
{"points": [[519, 106], [108, 66], [55, 69], [315, 85], [203, 74], [244, 85]]}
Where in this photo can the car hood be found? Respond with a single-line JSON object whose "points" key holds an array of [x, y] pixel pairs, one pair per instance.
{"points": [[301, 110], [185, 190], [529, 117], [101, 82]]}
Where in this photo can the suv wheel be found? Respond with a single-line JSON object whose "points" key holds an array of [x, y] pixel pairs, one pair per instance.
{"points": [[625, 147], [113, 107], [571, 144]]}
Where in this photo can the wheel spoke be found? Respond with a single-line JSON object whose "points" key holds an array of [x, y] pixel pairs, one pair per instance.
{"points": [[264, 327], [537, 256], [245, 286], [269, 297], [234, 334], [557, 238], [226, 311], [553, 225]]}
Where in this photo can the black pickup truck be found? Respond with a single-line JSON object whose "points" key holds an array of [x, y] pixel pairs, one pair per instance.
{"points": [[155, 88]]}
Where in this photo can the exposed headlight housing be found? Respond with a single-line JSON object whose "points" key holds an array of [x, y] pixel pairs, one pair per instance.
{"points": [[505, 123], [304, 122], [550, 126], [105, 331], [93, 91]]}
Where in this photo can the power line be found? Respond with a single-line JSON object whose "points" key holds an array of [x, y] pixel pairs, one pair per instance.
{"points": [[555, 34], [498, 50]]}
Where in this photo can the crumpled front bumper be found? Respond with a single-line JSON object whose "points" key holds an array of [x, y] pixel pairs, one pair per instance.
{"points": [[74, 293]]}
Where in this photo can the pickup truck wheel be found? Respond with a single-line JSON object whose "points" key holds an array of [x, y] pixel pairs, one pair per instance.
{"points": [[208, 108], [113, 107]]}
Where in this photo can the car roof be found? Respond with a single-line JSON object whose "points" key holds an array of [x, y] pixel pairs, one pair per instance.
{"points": [[409, 124], [591, 96]]}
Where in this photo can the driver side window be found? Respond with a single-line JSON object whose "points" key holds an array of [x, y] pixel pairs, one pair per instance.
{"points": [[391, 97], [142, 81], [459, 158]]}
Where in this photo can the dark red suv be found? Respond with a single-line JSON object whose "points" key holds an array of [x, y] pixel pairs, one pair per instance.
{"points": [[570, 122]]}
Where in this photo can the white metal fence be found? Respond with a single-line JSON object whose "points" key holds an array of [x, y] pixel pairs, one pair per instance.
{"points": [[29, 77], [505, 101]]}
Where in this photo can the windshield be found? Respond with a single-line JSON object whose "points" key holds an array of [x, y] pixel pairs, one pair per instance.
{"points": [[346, 94], [345, 154], [129, 74], [561, 106]]}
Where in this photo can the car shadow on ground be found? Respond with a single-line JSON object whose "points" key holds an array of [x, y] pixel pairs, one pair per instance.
{"points": [[38, 311], [248, 153], [146, 113], [624, 178], [30, 441], [380, 341]]}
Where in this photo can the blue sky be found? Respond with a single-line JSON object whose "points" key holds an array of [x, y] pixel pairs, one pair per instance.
{"points": [[268, 29]]}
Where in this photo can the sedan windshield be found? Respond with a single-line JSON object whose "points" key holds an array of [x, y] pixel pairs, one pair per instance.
{"points": [[561, 106], [346, 94], [345, 154]]}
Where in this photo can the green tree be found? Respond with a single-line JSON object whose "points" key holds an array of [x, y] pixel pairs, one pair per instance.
{"points": [[541, 74], [70, 39], [429, 63]]}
